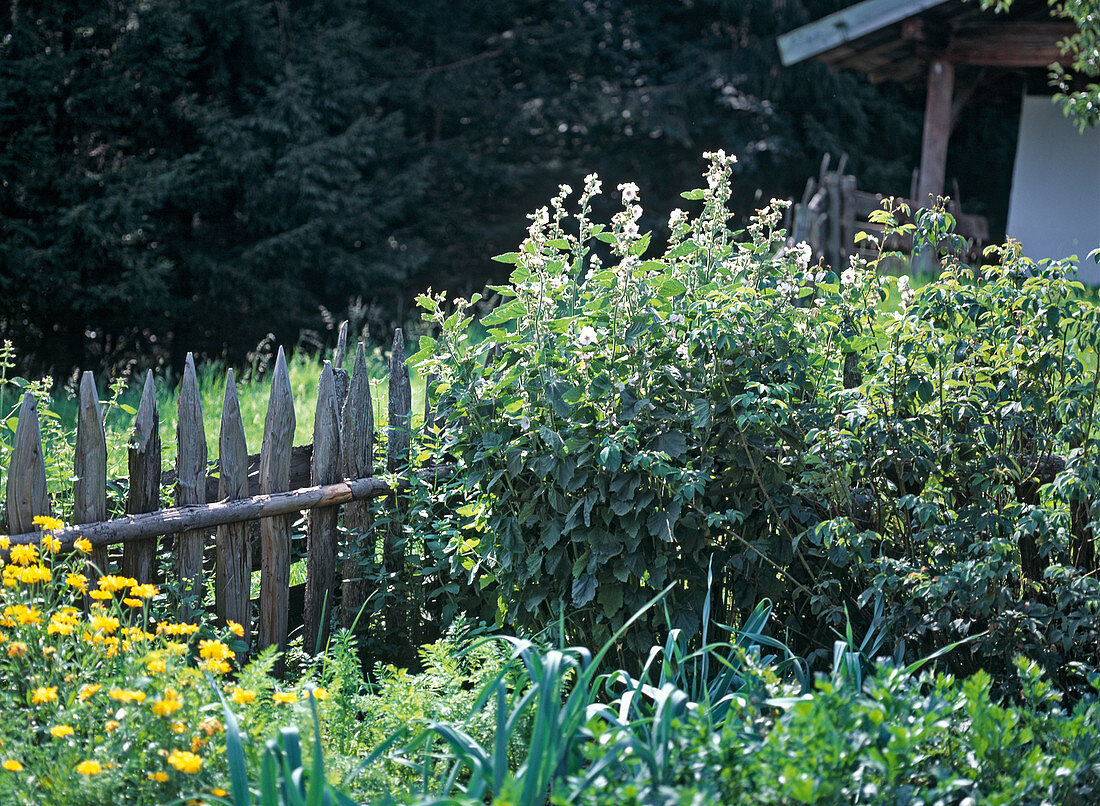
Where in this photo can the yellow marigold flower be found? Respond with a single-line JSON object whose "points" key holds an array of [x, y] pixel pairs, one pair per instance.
{"points": [[184, 761], [197, 744], [111, 724], [166, 707], [87, 690], [145, 591], [48, 524], [104, 624], [83, 544], [34, 573], [51, 544], [133, 602], [24, 554], [17, 649], [88, 767], [173, 628], [160, 776], [235, 628], [61, 731], [11, 765], [156, 666], [211, 726], [126, 695], [5, 544], [178, 727], [43, 695], [100, 595], [113, 583], [215, 649], [62, 622], [23, 614], [215, 665], [49, 651], [283, 697], [243, 696], [218, 792]]}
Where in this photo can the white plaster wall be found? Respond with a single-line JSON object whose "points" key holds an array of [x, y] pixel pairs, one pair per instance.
{"points": [[1054, 209]]}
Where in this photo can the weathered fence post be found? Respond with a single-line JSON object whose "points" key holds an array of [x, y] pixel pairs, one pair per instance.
{"points": [[233, 560], [90, 468], [397, 460], [139, 557], [340, 375], [190, 480], [357, 460], [26, 472], [321, 540], [275, 532]]}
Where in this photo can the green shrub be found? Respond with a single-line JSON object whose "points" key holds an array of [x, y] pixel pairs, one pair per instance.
{"points": [[726, 402]]}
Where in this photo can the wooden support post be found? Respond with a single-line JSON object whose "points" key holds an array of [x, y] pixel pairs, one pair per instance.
{"points": [[340, 374], [26, 490], [397, 460], [357, 459], [321, 540], [275, 532], [90, 469], [233, 561], [190, 482], [937, 131], [139, 557]]}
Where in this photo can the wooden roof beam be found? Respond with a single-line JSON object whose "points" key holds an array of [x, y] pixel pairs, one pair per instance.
{"points": [[1008, 44]]}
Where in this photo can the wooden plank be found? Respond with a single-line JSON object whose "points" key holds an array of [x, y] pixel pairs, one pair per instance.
{"points": [[846, 25], [275, 531], [139, 557], [398, 443], [937, 131], [233, 560], [90, 468], [190, 482], [1013, 44], [357, 458], [26, 488], [174, 520], [321, 540]]}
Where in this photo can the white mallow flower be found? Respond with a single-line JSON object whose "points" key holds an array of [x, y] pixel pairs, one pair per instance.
{"points": [[630, 191], [905, 289], [592, 185], [786, 288], [675, 218], [676, 319], [524, 423], [803, 254], [629, 263], [683, 351], [587, 336], [848, 276], [565, 190], [630, 230]]}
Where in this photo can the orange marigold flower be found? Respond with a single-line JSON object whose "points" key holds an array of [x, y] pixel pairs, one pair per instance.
{"points": [[160, 776], [111, 724], [17, 649]]}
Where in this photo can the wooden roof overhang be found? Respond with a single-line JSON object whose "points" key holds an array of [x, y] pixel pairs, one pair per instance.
{"points": [[895, 40], [924, 40]]}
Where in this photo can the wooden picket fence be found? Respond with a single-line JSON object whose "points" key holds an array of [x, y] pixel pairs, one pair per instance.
{"points": [[244, 488]]}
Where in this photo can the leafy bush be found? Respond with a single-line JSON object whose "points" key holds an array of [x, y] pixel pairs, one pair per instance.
{"points": [[633, 419]]}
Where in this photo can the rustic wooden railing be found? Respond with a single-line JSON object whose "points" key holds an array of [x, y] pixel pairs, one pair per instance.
{"points": [[244, 488]]}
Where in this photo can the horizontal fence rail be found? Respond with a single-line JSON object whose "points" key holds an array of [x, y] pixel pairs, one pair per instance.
{"points": [[213, 510]]}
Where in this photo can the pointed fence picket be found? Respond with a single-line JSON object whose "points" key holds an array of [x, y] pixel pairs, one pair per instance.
{"points": [[244, 489]]}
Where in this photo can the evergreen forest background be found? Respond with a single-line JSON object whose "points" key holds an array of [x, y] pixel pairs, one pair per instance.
{"points": [[191, 175]]}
